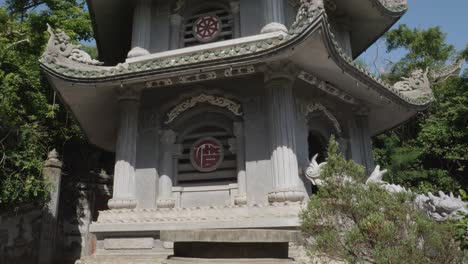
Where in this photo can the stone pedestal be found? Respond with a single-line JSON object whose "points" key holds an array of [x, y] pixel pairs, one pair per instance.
{"points": [[52, 172], [141, 32], [287, 184], [125, 153]]}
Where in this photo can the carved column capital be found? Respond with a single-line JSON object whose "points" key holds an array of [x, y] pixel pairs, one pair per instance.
{"points": [[285, 71], [129, 92]]}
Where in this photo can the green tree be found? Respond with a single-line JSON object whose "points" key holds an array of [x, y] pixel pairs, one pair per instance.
{"points": [[430, 151], [358, 223], [31, 121], [425, 48]]}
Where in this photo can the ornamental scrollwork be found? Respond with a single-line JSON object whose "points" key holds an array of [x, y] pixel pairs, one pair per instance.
{"points": [[313, 107], [220, 101]]}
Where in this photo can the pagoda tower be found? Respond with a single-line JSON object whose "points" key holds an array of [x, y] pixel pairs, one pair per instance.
{"points": [[214, 110]]}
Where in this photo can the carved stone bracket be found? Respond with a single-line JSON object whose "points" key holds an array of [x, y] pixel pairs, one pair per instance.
{"points": [[220, 101]]}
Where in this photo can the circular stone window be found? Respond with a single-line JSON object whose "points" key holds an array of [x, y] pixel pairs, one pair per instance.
{"points": [[206, 154], [207, 28]]}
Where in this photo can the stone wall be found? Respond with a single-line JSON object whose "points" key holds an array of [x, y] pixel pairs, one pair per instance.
{"points": [[19, 235]]}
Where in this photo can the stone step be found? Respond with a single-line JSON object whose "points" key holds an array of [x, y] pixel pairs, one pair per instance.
{"points": [[124, 259], [179, 260]]}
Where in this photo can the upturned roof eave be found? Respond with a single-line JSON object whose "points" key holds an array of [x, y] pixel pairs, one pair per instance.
{"points": [[341, 59]]}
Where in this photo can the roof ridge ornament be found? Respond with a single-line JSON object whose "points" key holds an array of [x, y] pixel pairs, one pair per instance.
{"points": [[60, 45], [417, 85], [443, 74], [308, 10], [395, 5]]}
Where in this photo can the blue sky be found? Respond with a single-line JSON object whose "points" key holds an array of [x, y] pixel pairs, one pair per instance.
{"points": [[450, 15]]}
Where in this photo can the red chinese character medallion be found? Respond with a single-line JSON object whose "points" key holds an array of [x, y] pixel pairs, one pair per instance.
{"points": [[206, 154], [206, 28]]}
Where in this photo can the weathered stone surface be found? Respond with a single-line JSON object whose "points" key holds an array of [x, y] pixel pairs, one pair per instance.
{"points": [[231, 235], [129, 243]]}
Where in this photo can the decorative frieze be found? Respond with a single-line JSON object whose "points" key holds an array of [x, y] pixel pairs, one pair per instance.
{"points": [[204, 76], [220, 101], [230, 72], [159, 83], [326, 87]]}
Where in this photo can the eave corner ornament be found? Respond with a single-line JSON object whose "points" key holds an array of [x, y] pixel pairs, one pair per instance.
{"points": [[60, 47], [416, 86], [308, 10]]}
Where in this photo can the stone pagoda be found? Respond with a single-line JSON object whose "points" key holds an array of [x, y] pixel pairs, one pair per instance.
{"points": [[214, 110]]}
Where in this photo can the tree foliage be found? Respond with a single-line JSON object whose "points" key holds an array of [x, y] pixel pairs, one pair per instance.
{"points": [[347, 220], [430, 151], [425, 48], [31, 121]]}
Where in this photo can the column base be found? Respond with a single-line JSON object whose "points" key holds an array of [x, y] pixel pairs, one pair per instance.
{"points": [[286, 195], [166, 202], [122, 203], [240, 200]]}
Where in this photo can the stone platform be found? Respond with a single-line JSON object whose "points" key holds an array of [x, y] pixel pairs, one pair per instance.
{"points": [[256, 232], [229, 246]]}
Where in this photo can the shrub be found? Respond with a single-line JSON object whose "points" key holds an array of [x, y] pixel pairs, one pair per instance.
{"points": [[360, 223]]}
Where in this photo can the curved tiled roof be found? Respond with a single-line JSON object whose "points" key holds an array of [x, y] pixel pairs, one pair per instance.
{"points": [[65, 60]]}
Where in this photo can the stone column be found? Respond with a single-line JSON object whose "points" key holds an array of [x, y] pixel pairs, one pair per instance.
{"points": [[125, 151], [282, 122], [239, 149], [235, 11], [361, 142], [165, 198], [176, 27], [274, 16], [141, 31], [52, 172]]}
